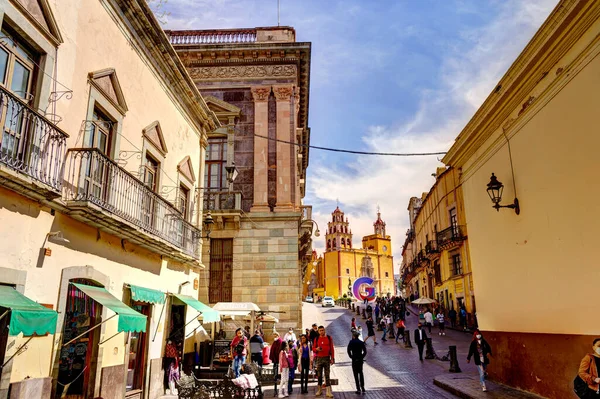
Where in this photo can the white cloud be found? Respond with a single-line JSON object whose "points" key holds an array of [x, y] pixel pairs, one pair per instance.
{"points": [[466, 78]]}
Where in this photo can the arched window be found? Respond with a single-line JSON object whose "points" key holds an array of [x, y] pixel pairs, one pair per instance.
{"points": [[333, 243], [343, 242], [328, 244]]}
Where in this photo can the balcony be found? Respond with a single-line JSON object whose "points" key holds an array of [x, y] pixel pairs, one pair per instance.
{"points": [[450, 237], [212, 36], [431, 249], [99, 192], [216, 201], [32, 150]]}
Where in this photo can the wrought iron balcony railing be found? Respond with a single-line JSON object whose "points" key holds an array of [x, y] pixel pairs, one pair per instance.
{"points": [[449, 235], [222, 200], [212, 36], [90, 176], [30, 143], [431, 247]]}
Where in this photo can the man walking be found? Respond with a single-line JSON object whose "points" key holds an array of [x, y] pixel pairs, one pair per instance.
{"points": [[420, 340], [324, 358], [313, 334], [428, 319], [357, 350]]}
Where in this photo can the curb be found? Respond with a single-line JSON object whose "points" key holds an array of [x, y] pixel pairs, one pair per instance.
{"points": [[451, 389]]}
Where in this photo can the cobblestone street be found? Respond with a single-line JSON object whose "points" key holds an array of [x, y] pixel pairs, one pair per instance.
{"points": [[391, 371]]}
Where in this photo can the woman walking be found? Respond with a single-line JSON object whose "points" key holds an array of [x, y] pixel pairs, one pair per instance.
{"points": [[441, 322], [480, 349], [370, 331], [588, 371], [305, 354], [284, 370]]}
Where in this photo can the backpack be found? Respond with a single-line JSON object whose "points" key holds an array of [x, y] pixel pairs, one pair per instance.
{"points": [[239, 348]]}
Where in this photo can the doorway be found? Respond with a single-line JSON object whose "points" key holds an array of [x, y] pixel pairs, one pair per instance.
{"points": [[77, 361], [138, 350]]}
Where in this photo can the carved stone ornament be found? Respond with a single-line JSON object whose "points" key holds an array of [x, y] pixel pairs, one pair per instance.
{"points": [[260, 93], [235, 72], [283, 93]]}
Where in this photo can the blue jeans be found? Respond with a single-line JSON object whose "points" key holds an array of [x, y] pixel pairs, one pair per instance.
{"points": [[385, 330], [481, 368], [238, 361]]}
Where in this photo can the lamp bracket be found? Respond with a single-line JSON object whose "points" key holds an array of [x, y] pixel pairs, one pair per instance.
{"points": [[514, 205]]}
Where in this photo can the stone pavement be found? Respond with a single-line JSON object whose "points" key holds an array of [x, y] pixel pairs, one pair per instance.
{"points": [[466, 385]]}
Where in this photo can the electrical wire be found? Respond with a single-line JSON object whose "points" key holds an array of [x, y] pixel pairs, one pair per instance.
{"points": [[394, 154]]}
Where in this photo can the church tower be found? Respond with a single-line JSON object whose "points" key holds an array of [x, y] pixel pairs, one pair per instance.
{"points": [[378, 241], [379, 225], [338, 236]]}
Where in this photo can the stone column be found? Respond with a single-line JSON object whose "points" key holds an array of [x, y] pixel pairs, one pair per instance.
{"points": [[283, 96], [261, 148]]}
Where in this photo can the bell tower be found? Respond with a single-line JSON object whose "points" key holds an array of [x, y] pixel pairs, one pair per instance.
{"points": [[379, 225], [338, 236]]}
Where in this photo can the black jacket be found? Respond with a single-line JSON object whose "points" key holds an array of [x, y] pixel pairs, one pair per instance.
{"points": [[486, 349], [357, 350], [419, 341]]}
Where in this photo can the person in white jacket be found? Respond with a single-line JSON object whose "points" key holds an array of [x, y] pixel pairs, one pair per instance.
{"points": [[290, 336]]}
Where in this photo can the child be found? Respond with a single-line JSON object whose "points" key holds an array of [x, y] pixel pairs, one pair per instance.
{"points": [[360, 336], [284, 370], [292, 364]]}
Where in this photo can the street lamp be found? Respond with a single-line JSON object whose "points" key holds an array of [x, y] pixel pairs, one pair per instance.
{"points": [[317, 232], [232, 172], [208, 223], [494, 190]]}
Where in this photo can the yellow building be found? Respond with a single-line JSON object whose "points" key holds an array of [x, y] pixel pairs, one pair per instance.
{"points": [[441, 259], [342, 264], [536, 266]]}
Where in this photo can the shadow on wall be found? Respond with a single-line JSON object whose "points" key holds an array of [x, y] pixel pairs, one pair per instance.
{"points": [[15, 203], [90, 240]]}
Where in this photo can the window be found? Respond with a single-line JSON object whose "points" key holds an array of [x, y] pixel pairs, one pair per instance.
{"points": [[151, 169], [17, 74], [98, 132], [387, 274], [456, 265], [97, 135], [347, 271], [215, 177], [437, 272], [183, 196], [221, 276], [454, 222]]}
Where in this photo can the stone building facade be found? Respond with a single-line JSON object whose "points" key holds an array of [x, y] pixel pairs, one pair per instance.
{"points": [[101, 149], [257, 83]]}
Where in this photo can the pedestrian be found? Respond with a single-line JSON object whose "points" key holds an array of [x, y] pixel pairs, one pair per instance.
{"points": [[428, 319], [284, 370], [292, 364], [247, 332], [305, 355], [290, 336], [170, 367], [357, 350], [463, 318], [370, 331], [314, 333], [420, 339], [401, 327], [387, 321], [274, 354], [360, 333], [441, 323], [256, 347], [324, 358], [353, 324], [238, 345], [588, 371], [377, 312], [452, 317], [480, 350], [369, 310]]}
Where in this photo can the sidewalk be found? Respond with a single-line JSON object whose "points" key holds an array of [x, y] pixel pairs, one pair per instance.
{"points": [[467, 386]]}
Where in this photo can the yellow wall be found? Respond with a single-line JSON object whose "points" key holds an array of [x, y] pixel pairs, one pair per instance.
{"points": [[543, 262]]}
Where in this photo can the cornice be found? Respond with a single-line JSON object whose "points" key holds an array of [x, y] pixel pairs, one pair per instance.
{"points": [[150, 40], [567, 23]]}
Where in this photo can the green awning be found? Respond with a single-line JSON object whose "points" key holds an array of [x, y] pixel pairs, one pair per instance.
{"points": [[208, 314], [129, 319], [26, 316], [148, 295]]}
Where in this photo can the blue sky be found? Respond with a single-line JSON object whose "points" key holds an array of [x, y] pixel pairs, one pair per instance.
{"points": [[386, 75]]}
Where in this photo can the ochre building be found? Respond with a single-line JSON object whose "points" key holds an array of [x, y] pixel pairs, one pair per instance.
{"points": [[536, 270], [342, 264], [436, 262]]}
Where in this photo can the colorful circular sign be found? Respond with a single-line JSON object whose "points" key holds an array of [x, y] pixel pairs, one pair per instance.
{"points": [[368, 292]]}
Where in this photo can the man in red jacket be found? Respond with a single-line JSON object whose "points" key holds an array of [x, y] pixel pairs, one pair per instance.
{"points": [[274, 355], [324, 358]]}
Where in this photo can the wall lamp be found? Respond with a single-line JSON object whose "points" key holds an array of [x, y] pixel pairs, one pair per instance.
{"points": [[494, 190], [208, 223], [317, 233], [232, 172], [57, 236]]}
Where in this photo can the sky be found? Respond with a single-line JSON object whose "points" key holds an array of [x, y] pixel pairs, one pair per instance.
{"points": [[386, 76]]}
